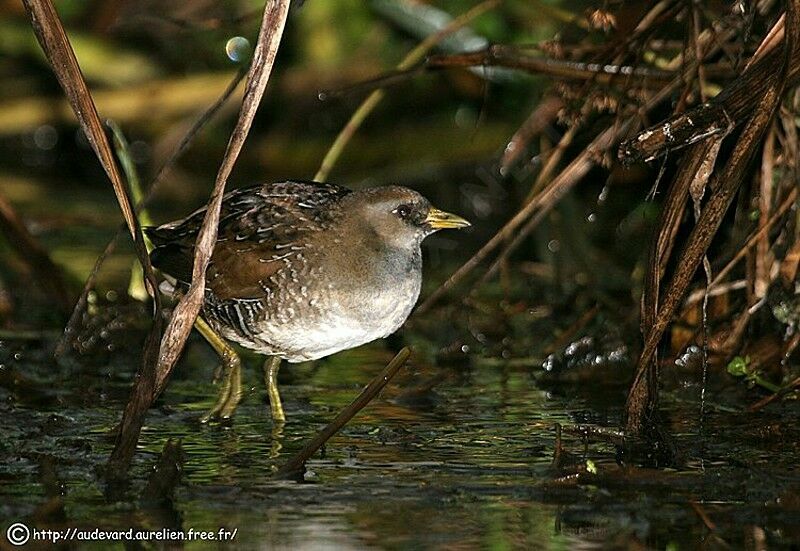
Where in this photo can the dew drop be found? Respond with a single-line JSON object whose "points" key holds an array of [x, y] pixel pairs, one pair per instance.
{"points": [[45, 137], [603, 195], [237, 49]]}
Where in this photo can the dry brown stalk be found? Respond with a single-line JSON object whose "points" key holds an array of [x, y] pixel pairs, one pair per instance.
{"points": [[50, 34], [147, 388], [643, 394], [732, 106], [763, 255], [177, 331]]}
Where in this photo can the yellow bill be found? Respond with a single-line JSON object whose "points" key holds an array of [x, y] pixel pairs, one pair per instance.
{"points": [[440, 220]]}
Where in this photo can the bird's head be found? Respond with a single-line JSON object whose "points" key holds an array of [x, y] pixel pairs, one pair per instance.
{"points": [[399, 216]]}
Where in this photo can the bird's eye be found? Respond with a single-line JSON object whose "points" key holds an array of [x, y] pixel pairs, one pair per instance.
{"points": [[403, 211]]}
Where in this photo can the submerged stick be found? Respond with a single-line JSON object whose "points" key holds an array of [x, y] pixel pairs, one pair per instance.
{"points": [[165, 476], [297, 462]]}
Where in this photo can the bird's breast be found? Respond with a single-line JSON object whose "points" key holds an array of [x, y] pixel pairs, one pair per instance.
{"points": [[381, 292]]}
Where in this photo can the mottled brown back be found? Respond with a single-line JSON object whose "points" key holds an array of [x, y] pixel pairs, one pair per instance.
{"points": [[261, 229]]}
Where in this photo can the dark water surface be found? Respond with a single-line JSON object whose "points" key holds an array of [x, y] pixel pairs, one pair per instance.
{"points": [[462, 464]]}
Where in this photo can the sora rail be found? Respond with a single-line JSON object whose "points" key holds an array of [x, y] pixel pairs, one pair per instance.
{"points": [[302, 270]]}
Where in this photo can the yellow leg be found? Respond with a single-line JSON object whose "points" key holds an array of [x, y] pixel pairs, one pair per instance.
{"points": [[231, 391], [271, 367]]}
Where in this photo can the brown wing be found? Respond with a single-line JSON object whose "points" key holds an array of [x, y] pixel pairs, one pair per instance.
{"points": [[261, 229]]}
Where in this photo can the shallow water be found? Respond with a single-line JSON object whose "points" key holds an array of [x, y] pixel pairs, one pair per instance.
{"points": [[464, 464]]}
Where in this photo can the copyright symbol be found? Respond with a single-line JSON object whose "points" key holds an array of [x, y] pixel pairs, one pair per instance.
{"points": [[18, 534]]}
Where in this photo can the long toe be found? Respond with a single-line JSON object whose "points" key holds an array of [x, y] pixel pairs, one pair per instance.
{"points": [[234, 392], [215, 413]]}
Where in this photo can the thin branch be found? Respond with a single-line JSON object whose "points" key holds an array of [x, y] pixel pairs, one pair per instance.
{"points": [[369, 104], [511, 57], [49, 276], [177, 331]]}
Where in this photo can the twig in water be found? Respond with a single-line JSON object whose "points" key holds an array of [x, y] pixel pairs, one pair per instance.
{"points": [[772, 397], [165, 475], [296, 463], [558, 448]]}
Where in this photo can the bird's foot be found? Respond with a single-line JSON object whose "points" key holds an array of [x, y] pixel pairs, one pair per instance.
{"points": [[229, 396], [231, 391], [223, 410]]}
